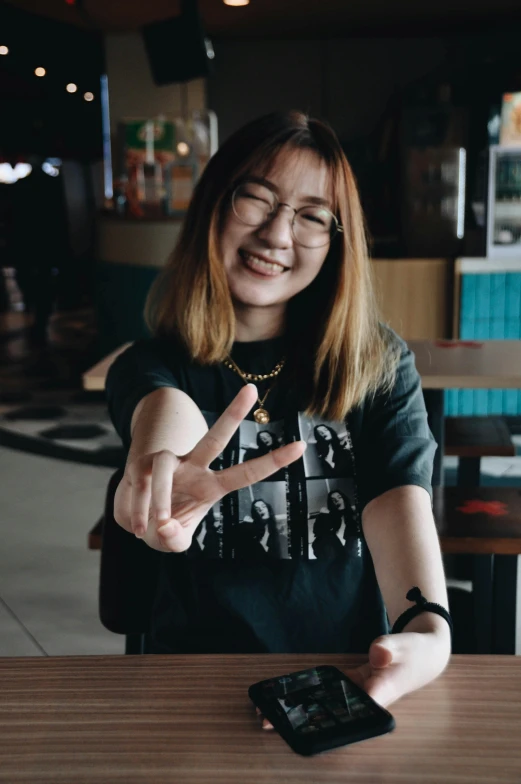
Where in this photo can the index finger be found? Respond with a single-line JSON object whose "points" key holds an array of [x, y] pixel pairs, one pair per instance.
{"points": [[214, 441], [253, 471]]}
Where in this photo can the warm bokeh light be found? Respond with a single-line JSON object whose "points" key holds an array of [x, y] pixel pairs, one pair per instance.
{"points": [[9, 174], [4, 50], [89, 96], [40, 71], [183, 149], [71, 87], [236, 2]]}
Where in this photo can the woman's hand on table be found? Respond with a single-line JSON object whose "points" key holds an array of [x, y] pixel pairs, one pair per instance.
{"points": [[162, 498], [401, 663]]}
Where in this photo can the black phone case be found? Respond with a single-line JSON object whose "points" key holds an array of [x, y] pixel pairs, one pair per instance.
{"points": [[308, 747]]}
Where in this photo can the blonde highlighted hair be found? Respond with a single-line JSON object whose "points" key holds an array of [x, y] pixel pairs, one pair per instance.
{"points": [[341, 355]]}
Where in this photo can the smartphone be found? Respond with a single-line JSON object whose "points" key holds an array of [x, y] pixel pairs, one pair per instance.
{"points": [[319, 709]]}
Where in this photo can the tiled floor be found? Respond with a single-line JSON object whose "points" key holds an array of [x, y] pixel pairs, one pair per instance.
{"points": [[48, 577]]}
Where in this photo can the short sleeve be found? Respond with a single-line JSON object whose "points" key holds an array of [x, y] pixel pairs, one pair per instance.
{"points": [[396, 446], [140, 370]]}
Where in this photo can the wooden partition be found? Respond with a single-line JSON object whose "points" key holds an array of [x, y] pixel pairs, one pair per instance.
{"points": [[416, 296]]}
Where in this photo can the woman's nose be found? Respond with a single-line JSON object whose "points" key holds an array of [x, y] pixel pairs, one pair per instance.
{"points": [[277, 231]]}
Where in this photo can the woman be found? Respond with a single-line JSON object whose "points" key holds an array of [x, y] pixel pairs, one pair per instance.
{"points": [[334, 456], [266, 442], [335, 528], [270, 283], [258, 535]]}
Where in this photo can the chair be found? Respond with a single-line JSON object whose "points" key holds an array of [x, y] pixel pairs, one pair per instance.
{"points": [[128, 578], [485, 522]]}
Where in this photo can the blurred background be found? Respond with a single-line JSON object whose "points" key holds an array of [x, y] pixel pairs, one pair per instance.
{"points": [[109, 113]]}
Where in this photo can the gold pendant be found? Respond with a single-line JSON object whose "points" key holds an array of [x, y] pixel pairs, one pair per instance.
{"points": [[261, 416]]}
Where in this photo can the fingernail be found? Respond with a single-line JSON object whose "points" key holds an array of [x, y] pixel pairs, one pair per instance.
{"points": [[139, 531]]}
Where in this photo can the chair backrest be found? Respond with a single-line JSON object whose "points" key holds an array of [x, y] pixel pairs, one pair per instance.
{"points": [[128, 574]]}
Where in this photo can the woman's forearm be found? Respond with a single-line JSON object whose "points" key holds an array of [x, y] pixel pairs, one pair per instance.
{"points": [[166, 419], [402, 538]]}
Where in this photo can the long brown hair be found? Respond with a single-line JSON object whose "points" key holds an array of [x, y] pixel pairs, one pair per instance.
{"points": [[341, 355]]}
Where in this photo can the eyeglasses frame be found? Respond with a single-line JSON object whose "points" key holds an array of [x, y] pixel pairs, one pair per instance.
{"points": [[338, 228]]}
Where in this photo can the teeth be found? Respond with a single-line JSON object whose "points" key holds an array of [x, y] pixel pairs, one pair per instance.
{"points": [[273, 266]]}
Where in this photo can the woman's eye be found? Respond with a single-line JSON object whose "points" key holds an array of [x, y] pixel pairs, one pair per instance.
{"points": [[315, 219], [254, 197]]}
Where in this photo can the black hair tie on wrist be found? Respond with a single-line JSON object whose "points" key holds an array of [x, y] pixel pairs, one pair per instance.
{"points": [[422, 605]]}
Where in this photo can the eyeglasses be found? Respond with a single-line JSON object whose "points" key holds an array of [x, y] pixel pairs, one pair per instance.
{"points": [[312, 226]]}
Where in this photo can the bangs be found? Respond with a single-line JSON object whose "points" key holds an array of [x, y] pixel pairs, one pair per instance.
{"points": [[264, 159]]}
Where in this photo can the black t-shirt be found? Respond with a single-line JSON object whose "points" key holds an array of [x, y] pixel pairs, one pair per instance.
{"points": [[281, 566]]}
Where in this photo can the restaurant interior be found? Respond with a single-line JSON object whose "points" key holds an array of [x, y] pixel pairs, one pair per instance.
{"points": [[110, 113]]}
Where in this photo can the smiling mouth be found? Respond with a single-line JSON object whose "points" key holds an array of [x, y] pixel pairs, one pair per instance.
{"points": [[260, 266]]}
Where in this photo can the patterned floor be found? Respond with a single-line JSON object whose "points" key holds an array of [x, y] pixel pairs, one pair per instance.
{"points": [[43, 408]]}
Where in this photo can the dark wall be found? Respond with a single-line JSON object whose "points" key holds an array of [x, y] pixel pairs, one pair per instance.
{"points": [[348, 82]]}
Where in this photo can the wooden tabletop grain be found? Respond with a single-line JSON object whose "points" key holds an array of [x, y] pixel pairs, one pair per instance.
{"points": [[94, 378], [454, 364], [188, 720]]}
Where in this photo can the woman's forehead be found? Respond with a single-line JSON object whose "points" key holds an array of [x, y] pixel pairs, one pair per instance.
{"points": [[299, 172]]}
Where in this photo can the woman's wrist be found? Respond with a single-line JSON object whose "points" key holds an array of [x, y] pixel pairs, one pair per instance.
{"points": [[430, 623]]}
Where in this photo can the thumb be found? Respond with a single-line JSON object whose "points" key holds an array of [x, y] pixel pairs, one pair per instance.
{"points": [[383, 652]]}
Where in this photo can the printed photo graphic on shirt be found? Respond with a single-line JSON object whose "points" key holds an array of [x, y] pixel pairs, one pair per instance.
{"points": [[328, 450], [262, 529], [258, 440], [207, 541], [333, 520]]}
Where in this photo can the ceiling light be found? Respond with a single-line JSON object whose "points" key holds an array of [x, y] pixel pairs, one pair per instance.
{"points": [[236, 2], [4, 50], [40, 71], [10, 174], [183, 149], [89, 96], [71, 87]]}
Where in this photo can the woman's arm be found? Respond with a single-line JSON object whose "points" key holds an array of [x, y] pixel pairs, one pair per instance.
{"points": [[168, 487], [166, 422], [401, 535], [166, 419]]}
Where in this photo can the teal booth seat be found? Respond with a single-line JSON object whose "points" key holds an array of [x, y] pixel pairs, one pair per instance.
{"points": [[130, 255], [490, 309], [121, 291]]}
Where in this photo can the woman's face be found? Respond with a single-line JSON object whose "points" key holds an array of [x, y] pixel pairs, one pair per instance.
{"points": [[264, 266], [324, 433], [337, 501], [266, 438], [262, 509]]}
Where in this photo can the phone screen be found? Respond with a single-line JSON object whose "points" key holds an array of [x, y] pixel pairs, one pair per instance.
{"points": [[320, 706]]}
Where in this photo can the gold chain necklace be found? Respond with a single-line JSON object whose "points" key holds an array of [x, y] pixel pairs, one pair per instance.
{"points": [[260, 414]]}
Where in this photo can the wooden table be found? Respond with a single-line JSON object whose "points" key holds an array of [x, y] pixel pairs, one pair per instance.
{"points": [[489, 364], [94, 378], [468, 364], [188, 720], [442, 364]]}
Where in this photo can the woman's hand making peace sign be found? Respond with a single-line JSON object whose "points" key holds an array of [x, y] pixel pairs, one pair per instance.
{"points": [[162, 498]]}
